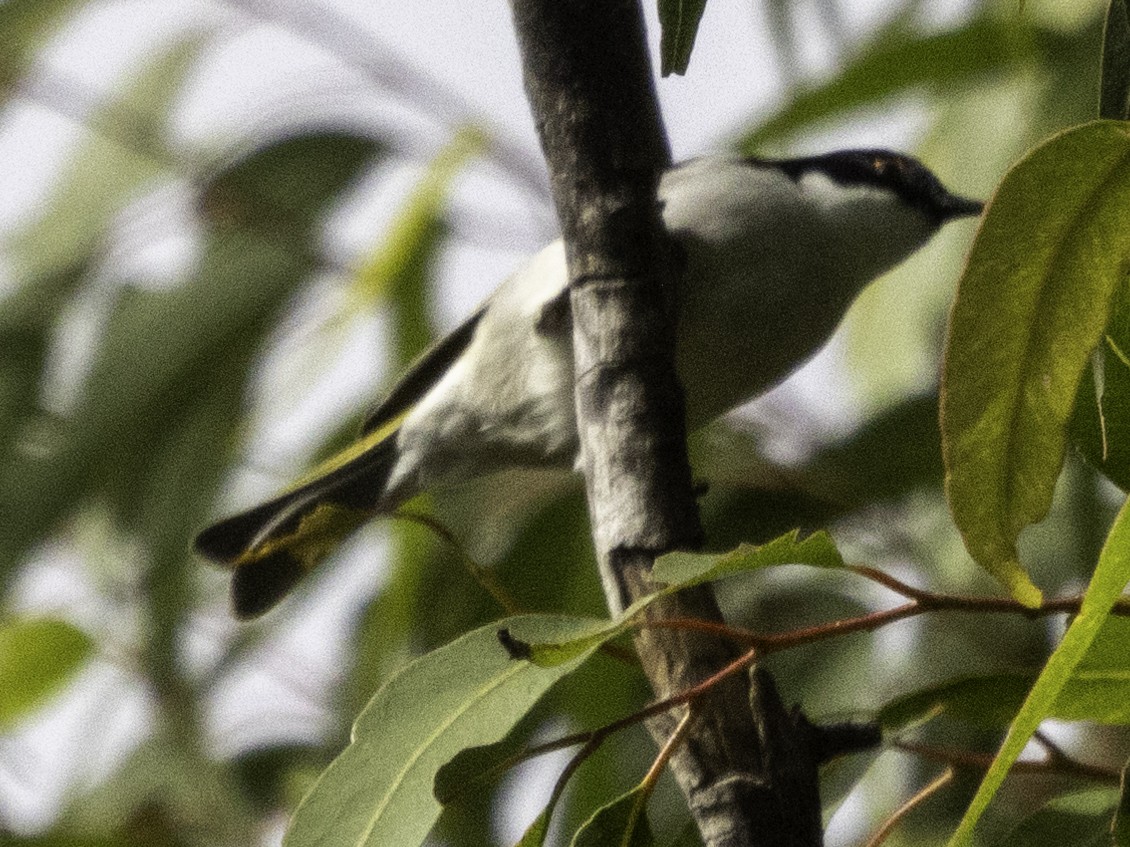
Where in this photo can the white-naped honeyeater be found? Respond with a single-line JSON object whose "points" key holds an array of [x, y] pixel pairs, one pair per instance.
{"points": [[775, 251]]}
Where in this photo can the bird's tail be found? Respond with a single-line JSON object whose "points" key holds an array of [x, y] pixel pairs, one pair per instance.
{"points": [[275, 544]]}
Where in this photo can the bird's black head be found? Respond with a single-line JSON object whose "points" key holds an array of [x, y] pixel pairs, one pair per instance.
{"points": [[906, 177]]}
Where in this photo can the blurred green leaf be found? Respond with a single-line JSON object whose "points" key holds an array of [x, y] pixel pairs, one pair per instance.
{"points": [[164, 351], [105, 173], [394, 626], [282, 188], [472, 768], [687, 837], [678, 20], [380, 789], [1111, 575], [893, 454], [1080, 819], [397, 268], [52, 254], [622, 823], [990, 701], [1098, 690], [167, 794], [902, 61], [38, 657], [1030, 308], [53, 839], [27, 319], [1114, 84], [24, 27]]}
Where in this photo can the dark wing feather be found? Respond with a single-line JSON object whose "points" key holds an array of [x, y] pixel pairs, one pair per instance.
{"points": [[422, 374]]}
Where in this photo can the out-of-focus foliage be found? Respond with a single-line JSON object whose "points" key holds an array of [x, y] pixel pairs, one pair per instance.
{"points": [[128, 399], [37, 658]]}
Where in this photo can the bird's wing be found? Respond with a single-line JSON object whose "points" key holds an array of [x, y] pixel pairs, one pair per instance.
{"points": [[422, 374]]}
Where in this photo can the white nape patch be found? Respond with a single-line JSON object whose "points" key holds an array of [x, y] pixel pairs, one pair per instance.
{"points": [[831, 196]]}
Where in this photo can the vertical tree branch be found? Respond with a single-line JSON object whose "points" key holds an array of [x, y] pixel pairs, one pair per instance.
{"points": [[748, 774]]}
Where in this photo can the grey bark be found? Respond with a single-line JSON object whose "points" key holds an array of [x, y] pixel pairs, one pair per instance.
{"points": [[747, 768]]}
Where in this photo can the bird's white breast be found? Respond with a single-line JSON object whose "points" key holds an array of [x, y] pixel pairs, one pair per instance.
{"points": [[771, 264]]}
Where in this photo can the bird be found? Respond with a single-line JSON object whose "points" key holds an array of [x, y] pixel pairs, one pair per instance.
{"points": [[773, 252]]}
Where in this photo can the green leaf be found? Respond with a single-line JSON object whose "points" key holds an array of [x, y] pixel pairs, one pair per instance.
{"points": [[687, 837], [901, 61], [535, 833], [473, 767], [1099, 688], [1108, 582], [1031, 306], [683, 570], [990, 701], [896, 452], [1114, 85], [622, 823], [1098, 691], [1080, 819], [678, 20], [38, 657], [468, 693], [284, 187], [395, 268], [170, 787], [27, 320]]}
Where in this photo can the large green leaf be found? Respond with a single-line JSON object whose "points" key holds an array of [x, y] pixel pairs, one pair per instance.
{"points": [[1036, 294], [468, 693], [38, 656], [1111, 575]]}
